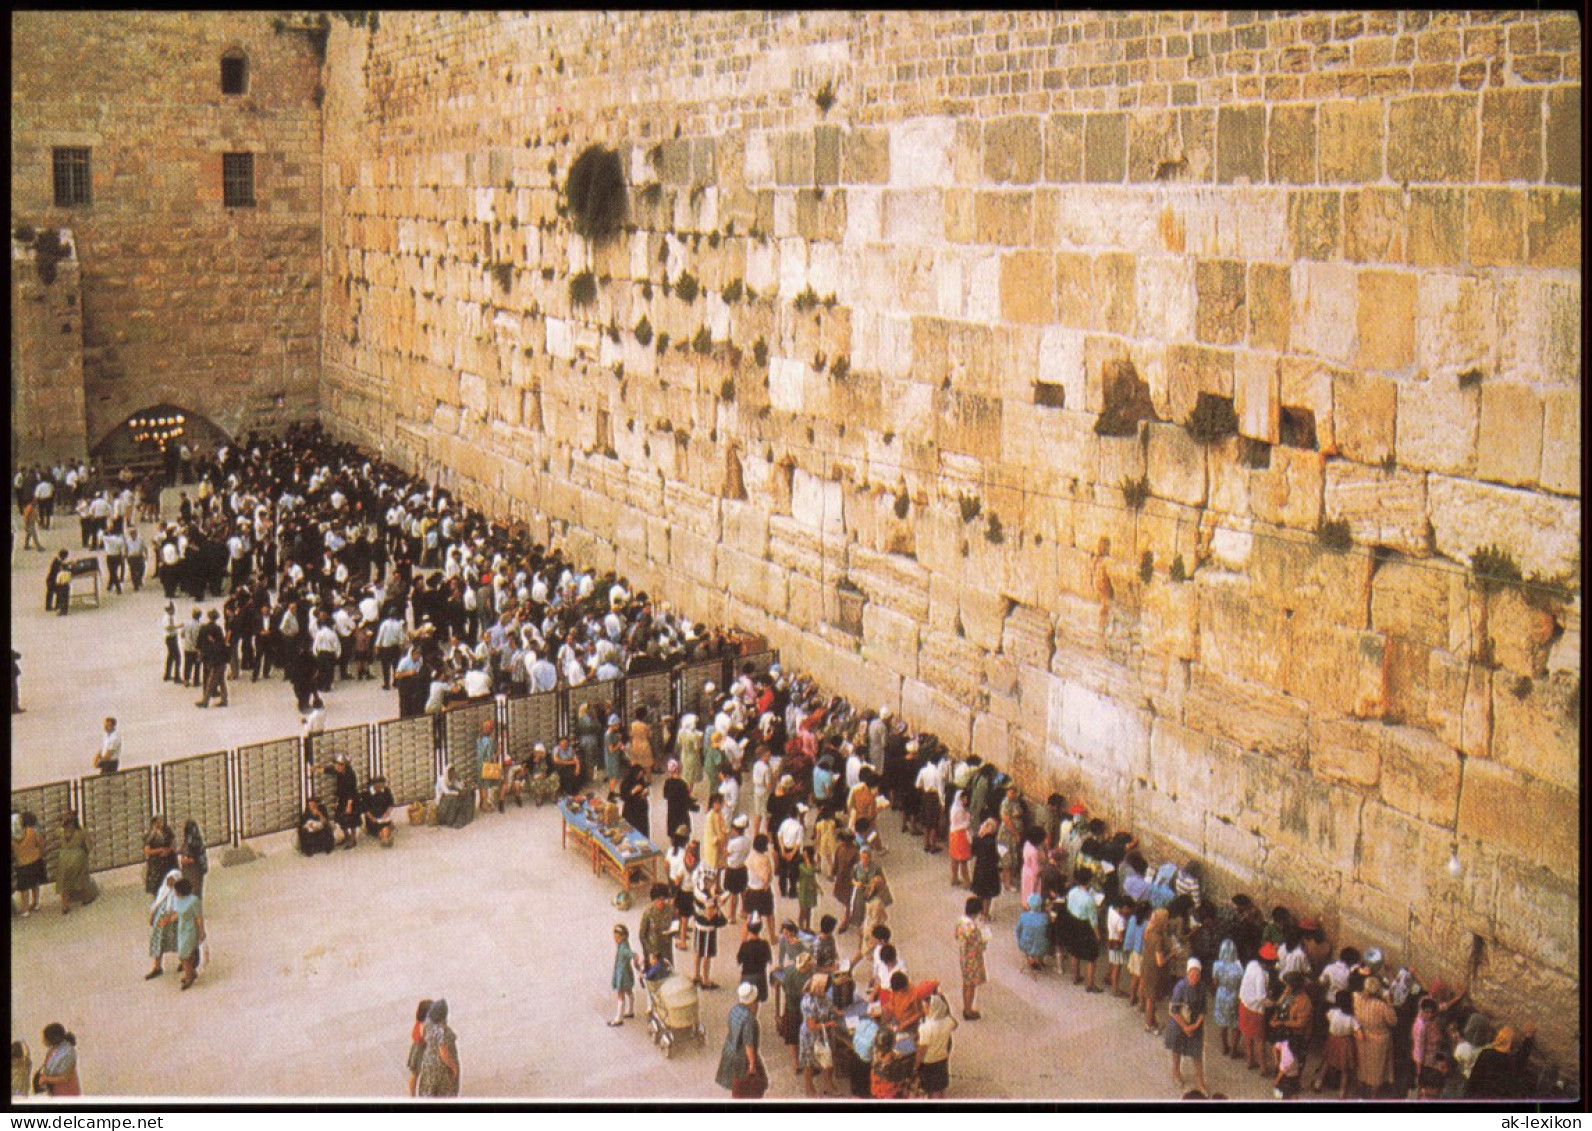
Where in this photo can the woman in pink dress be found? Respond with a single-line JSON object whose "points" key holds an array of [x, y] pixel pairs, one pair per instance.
{"points": [[1033, 854]]}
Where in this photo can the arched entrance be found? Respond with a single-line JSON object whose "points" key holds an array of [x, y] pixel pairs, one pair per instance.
{"points": [[144, 437]]}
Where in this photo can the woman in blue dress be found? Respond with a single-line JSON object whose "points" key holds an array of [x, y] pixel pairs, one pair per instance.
{"points": [[624, 979], [815, 1051], [738, 1059], [1226, 975], [190, 922]]}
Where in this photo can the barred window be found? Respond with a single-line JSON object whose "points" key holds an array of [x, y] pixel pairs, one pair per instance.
{"points": [[237, 179], [71, 177], [234, 73]]}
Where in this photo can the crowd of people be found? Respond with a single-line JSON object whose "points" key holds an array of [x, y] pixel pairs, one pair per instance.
{"points": [[773, 797]]}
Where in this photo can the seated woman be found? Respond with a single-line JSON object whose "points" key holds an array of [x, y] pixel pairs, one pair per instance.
{"points": [[315, 829], [455, 807], [566, 764], [378, 805]]}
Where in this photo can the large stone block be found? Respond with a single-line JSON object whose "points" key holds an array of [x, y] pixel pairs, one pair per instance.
{"points": [[1289, 493], [890, 639], [1561, 441], [1005, 219], [1028, 284], [1538, 914], [1315, 225], [1324, 306], [1175, 464], [1064, 148], [1318, 825], [1255, 385], [1364, 415], [1351, 136], [1111, 737], [1538, 732], [1541, 531], [1345, 749], [952, 665], [1511, 135], [865, 157], [1012, 150], [920, 152], [1247, 715], [1373, 226], [1105, 148], [1540, 323], [1520, 816], [1291, 145], [1382, 508], [1432, 138], [1495, 222], [1114, 293], [1221, 317], [1553, 228], [1509, 441], [1386, 319], [1165, 296], [937, 713], [1563, 138], [1240, 636], [1170, 613], [1241, 144], [1459, 704], [1420, 774], [1436, 236]]}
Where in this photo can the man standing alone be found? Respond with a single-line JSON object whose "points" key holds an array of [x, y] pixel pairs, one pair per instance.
{"points": [[109, 758]]}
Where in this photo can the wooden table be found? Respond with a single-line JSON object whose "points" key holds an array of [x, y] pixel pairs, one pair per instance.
{"points": [[605, 857]]}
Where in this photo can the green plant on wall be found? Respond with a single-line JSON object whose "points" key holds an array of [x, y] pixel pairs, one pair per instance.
{"points": [[969, 505], [825, 97], [1135, 491], [903, 504], [806, 300], [732, 293], [1178, 572], [727, 391], [595, 192], [994, 532], [663, 343], [1146, 567], [503, 275], [703, 342], [686, 287], [1335, 537], [760, 352], [644, 331]]}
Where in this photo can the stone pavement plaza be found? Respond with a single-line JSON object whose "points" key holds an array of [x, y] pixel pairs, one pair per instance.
{"points": [[317, 964]]}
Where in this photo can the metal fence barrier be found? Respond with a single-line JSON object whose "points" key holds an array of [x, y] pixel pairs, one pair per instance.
{"points": [[531, 719], [261, 788], [270, 783], [116, 812], [196, 788], [406, 753]]}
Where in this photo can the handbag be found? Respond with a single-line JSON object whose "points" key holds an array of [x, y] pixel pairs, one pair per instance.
{"points": [[753, 1085], [823, 1053], [492, 770]]}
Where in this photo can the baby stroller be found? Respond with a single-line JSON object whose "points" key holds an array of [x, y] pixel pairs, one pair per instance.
{"points": [[671, 1008]]}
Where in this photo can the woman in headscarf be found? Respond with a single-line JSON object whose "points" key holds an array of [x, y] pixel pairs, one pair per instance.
{"points": [[1185, 1025], [986, 865], [738, 1059], [1033, 933], [1476, 1036], [614, 750], [314, 829], [192, 858], [815, 1052], [1499, 1072], [160, 853], [934, 1048], [185, 915], [72, 881], [633, 800], [162, 934], [959, 844], [1374, 1053], [688, 744], [439, 1066], [1226, 975], [1013, 823], [677, 800]]}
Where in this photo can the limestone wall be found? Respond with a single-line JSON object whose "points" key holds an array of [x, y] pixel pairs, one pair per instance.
{"points": [[46, 351], [1360, 232], [184, 301]]}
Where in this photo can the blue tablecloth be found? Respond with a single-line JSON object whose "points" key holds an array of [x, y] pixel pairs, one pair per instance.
{"points": [[906, 1044], [632, 849]]}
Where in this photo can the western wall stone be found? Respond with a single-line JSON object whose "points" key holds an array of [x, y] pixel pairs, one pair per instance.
{"points": [[1534, 728], [1540, 530]]}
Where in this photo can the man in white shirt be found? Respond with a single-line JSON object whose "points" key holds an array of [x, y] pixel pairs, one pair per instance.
{"points": [[544, 676], [109, 758], [325, 647], [115, 561], [477, 684], [44, 496]]}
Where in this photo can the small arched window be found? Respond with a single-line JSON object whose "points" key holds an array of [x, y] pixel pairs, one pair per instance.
{"points": [[234, 72]]}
